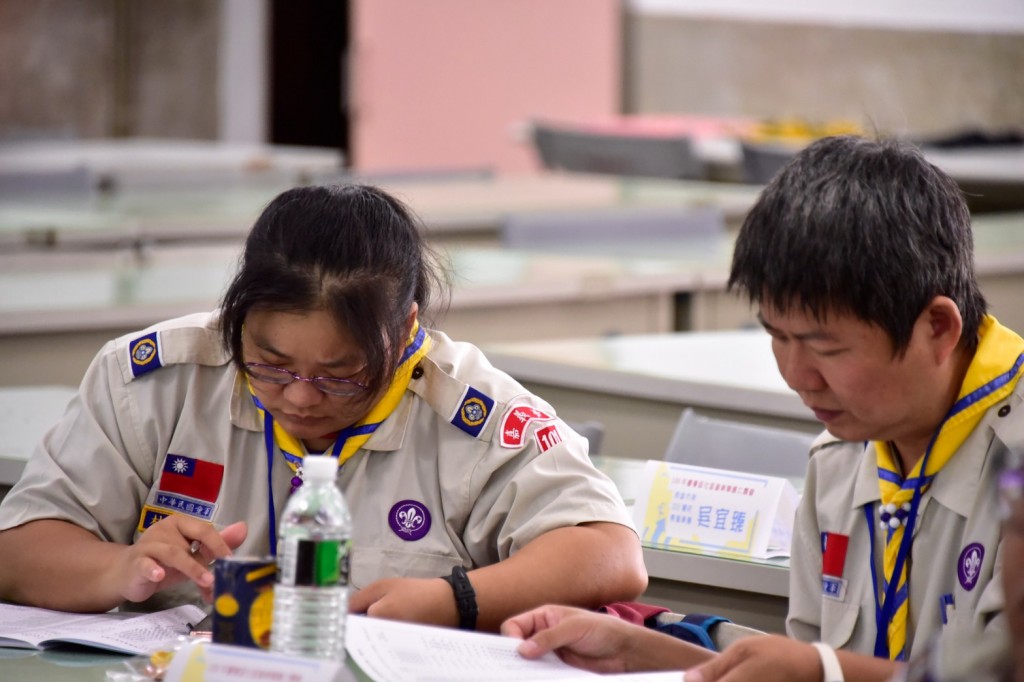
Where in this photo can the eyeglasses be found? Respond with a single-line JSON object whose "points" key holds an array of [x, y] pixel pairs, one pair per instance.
{"points": [[282, 377]]}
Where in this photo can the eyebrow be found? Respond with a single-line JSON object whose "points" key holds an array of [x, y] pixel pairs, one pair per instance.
{"points": [[817, 335]]}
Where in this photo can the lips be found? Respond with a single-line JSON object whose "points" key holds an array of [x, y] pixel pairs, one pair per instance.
{"points": [[303, 421], [825, 416]]}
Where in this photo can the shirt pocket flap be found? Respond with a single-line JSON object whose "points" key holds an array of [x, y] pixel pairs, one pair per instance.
{"points": [[838, 620], [368, 564]]}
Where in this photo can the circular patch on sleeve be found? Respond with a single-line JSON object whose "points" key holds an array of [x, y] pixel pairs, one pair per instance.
{"points": [[409, 519], [968, 567]]}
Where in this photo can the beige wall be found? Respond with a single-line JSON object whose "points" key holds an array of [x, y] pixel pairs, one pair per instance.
{"points": [[897, 81], [149, 67], [101, 68]]}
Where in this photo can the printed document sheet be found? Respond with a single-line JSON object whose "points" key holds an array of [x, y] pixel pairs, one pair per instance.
{"points": [[390, 651]]}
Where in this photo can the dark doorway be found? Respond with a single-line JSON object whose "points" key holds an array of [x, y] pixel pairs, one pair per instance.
{"points": [[308, 46]]}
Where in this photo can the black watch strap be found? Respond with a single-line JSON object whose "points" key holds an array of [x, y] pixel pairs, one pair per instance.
{"points": [[465, 597]]}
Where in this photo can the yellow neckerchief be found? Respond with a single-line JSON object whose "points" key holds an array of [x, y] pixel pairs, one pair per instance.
{"points": [[351, 438], [991, 376]]}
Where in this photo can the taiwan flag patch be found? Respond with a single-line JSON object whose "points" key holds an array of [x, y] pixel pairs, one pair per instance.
{"points": [[189, 486], [833, 554]]}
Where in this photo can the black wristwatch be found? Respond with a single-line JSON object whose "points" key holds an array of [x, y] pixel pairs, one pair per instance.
{"points": [[465, 597]]}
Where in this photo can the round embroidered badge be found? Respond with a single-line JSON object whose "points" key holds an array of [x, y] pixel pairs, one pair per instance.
{"points": [[474, 411], [968, 566], [409, 519], [143, 351]]}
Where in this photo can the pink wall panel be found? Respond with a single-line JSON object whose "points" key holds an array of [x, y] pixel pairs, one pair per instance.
{"points": [[442, 84]]}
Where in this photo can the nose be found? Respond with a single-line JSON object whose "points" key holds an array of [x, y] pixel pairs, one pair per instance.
{"points": [[303, 394], [797, 368]]}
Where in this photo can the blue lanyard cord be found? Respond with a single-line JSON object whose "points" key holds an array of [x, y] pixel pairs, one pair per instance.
{"points": [[268, 441], [885, 609]]}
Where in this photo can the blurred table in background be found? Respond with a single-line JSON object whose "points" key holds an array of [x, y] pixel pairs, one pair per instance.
{"points": [[453, 209], [26, 413], [124, 164], [637, 386], [56, 310]]}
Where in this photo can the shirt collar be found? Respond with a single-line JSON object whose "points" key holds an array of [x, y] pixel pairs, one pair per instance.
{"points": [[865, 487], [244, 414]]}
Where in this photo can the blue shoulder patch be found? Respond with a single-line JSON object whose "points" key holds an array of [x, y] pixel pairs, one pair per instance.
{"points": [[144, 354], [473, 412]]}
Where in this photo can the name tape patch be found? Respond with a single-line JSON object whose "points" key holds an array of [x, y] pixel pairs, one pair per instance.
{"points": [[833, 588]]}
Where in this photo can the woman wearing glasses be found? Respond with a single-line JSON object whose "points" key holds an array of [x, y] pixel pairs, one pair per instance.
{"points": [[186, 439]]}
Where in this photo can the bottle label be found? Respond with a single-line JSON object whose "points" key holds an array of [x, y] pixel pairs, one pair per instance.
{"points": [[315, 563]]}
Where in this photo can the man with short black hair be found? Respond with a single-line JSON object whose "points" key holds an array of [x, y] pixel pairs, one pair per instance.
{"points": [[859, 255]]}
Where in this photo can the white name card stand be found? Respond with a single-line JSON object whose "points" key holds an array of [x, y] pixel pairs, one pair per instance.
{"points": [[716, 511], [201, 661]]}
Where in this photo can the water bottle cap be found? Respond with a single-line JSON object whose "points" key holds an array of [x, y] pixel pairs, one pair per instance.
{"points": [[319, 468]]}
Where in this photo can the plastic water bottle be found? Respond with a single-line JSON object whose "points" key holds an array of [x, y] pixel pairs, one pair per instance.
{"points": [[311, 593]]}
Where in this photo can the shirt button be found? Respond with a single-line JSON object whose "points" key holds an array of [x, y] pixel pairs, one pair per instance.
{"points": [[1004, 410], [417, 372]]}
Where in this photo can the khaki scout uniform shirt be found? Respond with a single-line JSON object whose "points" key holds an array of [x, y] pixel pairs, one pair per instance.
{"points": [[958, 521], [102, 466]]}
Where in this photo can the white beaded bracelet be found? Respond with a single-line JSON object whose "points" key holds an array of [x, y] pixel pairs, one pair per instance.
{"points": [[829, 663]]}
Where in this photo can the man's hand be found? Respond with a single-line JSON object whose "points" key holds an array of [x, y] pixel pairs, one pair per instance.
{"points": [[769, 658], [417, 600], [593, 641]]}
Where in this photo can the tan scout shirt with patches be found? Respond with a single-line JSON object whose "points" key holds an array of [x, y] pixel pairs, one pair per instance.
{"points": [[115, 455], [958, 515]]}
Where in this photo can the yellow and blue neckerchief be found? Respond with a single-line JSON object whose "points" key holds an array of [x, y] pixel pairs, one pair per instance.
{"points": [[349, 439], [991, 376]]}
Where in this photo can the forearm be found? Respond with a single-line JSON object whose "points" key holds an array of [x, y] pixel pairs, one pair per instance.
{"points": [[861, 668], [57, 565], [584, 566], [652, 650]]}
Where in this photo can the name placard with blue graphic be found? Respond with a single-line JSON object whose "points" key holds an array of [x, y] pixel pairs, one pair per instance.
{"points": [[718, 511]]}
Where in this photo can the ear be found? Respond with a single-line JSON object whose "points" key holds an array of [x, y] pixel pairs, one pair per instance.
{"points": [[410, 321], [943, 326]]}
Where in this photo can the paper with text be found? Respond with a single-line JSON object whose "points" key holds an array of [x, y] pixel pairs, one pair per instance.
{"points": [[27, 627], [389, 651]]}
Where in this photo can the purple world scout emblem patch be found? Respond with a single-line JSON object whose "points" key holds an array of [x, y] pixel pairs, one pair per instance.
{"points": [[968, 566], [409, 519]]}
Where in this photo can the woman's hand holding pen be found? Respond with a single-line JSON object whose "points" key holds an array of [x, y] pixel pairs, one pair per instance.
{"points": [[176, 549]]}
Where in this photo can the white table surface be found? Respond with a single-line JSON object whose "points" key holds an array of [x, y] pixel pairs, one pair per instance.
{"points": [[732, 370]]}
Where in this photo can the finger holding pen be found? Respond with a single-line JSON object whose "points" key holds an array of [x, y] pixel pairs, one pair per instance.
{"points": [[208, 543], [163, 555]]}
